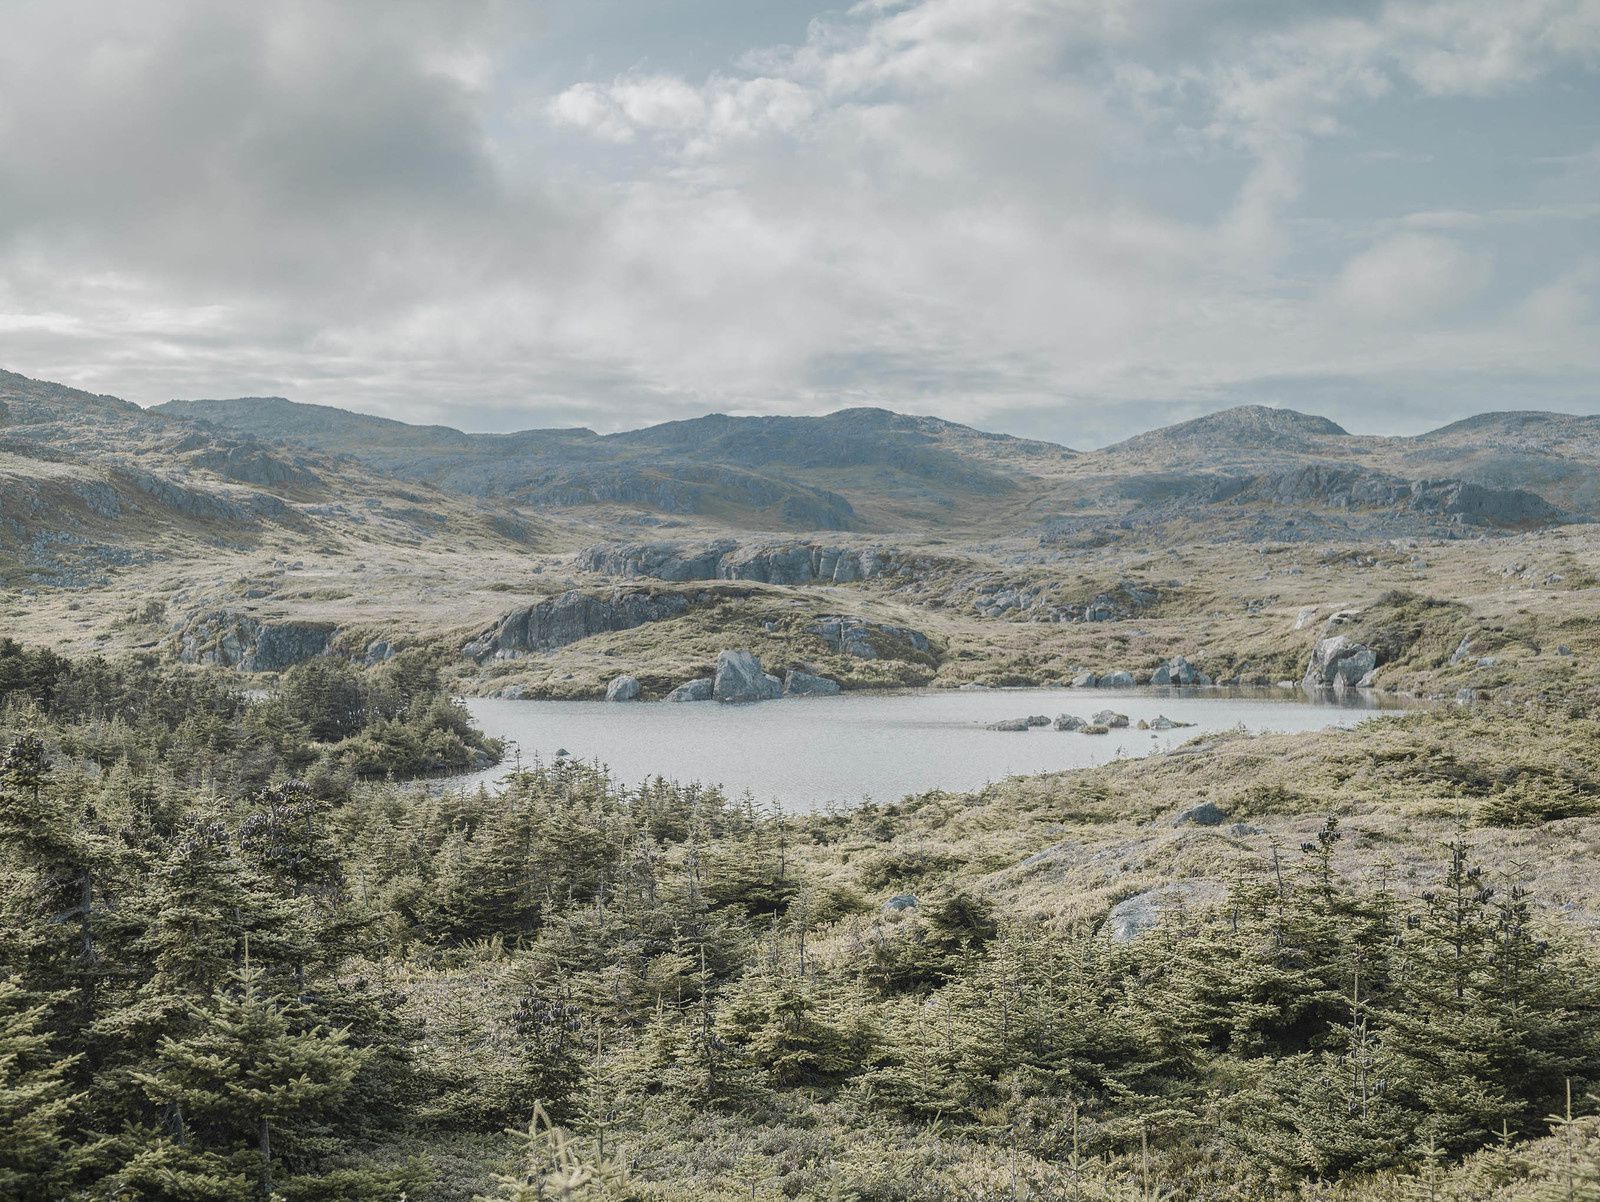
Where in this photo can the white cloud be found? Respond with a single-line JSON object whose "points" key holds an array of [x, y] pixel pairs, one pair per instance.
{"points": [[1409, 278], [973, 206]]}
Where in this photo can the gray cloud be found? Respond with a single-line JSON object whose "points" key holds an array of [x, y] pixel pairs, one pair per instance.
{"points": [[1064, 217]]}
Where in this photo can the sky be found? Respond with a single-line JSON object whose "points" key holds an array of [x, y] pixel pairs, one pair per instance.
{"points": [[1067, 219]]}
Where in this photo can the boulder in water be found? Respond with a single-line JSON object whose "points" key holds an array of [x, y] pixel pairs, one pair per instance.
{"points": [[1012, 724], [739, 678], [623, 688], [692, 690], [807, 684]]}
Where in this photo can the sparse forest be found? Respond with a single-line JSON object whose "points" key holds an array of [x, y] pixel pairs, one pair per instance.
{"points": [[241, 964]]}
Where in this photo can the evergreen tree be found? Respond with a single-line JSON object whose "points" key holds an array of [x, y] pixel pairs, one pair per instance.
{"points": [[250, 1087], [37, 1157]]}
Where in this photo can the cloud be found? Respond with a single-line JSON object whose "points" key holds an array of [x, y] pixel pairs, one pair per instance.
{"points": [[1409, 278], [984, 208]]}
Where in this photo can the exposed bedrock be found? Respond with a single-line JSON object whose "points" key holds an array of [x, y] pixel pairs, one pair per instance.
{"points": [[557, 621], [234, 640], [788, 562]]}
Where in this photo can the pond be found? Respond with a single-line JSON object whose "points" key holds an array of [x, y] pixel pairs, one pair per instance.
{"points": [[809, 752]]}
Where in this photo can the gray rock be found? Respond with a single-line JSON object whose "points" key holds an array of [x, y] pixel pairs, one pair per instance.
{"points": [[1143, 912], [1243, 830], [1204, 814], [739, 678], [1085, 680], [1563, 649], [377, 652], [234, 640], [1179, 671], [1162, 722], [870, 640], [1069, 722], [564, 619], [623, 688], [788, 562], [900, 903], [1110, 719], [1117, 680], [972, 686], [1339, 662], [805, 684], [1038, 720], [1012, 724], [692, 690]]}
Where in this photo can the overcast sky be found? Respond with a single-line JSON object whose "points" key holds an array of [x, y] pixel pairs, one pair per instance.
{"points": [[1071, 219]]}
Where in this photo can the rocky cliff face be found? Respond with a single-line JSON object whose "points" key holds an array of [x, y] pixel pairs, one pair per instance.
{"points": [[790, 562], [233, 640], [557, 621]]}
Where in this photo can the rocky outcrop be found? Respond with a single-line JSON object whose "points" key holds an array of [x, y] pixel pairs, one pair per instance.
{"points": [[870, 640], [1339, 662], [788, 562], [1204, 814], [623, 688], [233, 640], [1143, 912], [378, 651], [739, 678], [557, 621], [254, 465], [692, 690], [808, 684], [1038, 602], [1179, 671]]}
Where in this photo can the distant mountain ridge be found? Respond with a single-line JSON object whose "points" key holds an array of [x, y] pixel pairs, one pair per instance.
{"points": [[853, 469], [873, 470]]}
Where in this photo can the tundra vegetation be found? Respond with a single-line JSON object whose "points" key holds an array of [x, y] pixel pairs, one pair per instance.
{"points": [[241, 966], [252, 947]]}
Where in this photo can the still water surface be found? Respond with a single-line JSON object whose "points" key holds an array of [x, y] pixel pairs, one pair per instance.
{"points": [[808, 752]]}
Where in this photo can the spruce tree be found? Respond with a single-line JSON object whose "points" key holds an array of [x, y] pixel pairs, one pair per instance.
{"points": [[249, 1088], [37, 1157]]}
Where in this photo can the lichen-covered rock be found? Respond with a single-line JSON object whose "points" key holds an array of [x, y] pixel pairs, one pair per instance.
{"points": [[870, 640], [808, 684], [623, 688], [692, 690], [1339, 662], [739, 678], [1143, 912], [1179, 671], [1110, 719], [788, 562], [234, 640], [1069, 722], [1204, 814], [564, 619]]}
